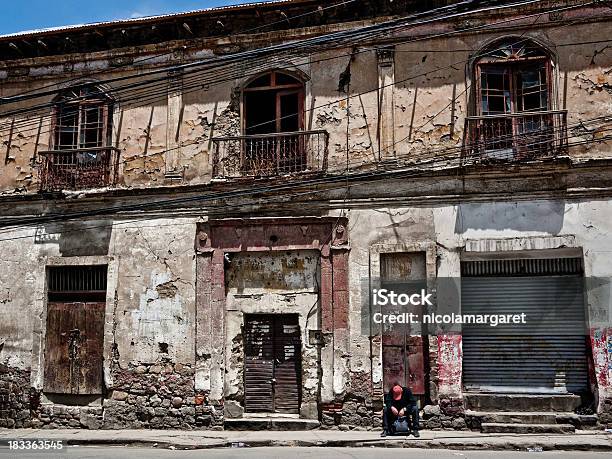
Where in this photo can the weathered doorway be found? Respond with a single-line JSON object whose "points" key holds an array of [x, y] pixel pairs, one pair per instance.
{"points": [[403, 352], [272, 364], [75, 330]]}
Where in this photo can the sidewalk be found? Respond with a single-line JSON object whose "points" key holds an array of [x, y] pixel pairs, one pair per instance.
{"points": [[580, 441]]}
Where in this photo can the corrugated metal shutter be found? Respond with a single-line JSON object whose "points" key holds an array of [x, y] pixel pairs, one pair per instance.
{"points": [[272, 379], [549, 356]]}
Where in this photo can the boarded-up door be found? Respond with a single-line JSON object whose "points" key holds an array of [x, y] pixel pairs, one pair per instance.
{"points": [[73, 348], [403, 353], [272, 379]]}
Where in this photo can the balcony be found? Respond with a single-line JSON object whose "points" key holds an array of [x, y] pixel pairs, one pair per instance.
{"points": [[79, 169], [514, 137], [268, 155]]}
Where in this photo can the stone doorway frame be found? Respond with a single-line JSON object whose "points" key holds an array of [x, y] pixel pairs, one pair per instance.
{"points": [[216, 238]]}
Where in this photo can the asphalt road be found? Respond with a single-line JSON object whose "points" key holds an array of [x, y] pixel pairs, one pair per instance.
{"points": [[292, 453]]}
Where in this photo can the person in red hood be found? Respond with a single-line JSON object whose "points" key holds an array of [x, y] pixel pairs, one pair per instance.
{"points": [[399, 402]]}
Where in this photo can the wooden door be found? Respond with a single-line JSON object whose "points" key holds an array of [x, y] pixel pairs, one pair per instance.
{"points": [[272, 379], [73, 348]]}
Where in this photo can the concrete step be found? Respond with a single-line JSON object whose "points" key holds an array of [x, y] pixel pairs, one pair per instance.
{"points": [[508, 417], [270, 423], [475, 419], [499, 427], [565, 403], [580, 421]]}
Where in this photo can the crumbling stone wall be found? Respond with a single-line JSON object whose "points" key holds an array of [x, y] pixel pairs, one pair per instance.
{"points": [[158, 396], [16, 398], [52, 416]]}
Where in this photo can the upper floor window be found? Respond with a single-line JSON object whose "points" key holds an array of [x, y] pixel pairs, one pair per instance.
{"points": [[81, 154], [514, 78], [274, 141], [273, 103], [82, 119], [514, 116]]}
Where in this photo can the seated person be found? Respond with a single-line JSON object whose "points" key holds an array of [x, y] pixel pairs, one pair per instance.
{"points": [[399, 402]]}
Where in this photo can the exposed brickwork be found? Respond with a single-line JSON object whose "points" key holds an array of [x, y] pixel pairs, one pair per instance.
{"points": [[354, 414], [435, 418], [605, 416]]}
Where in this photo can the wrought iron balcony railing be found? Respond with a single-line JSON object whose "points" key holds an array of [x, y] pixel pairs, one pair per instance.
{"points": [[266, 155], [79, 169], [515, 137]]}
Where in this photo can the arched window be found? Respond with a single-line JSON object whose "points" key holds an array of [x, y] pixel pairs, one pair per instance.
{"points": [[81, 154], [82, 119], [513, 76], [274, 140], [514, 116], [273, 103], [273, 118]]}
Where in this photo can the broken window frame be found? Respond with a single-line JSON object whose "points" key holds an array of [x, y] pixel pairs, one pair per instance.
{"points": [[80, 163], [513, 70], [515, 133], [83, 101]]}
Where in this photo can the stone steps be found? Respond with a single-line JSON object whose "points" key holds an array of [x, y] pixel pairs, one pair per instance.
{"points": [[563, 403], [507, 417], [270, 423], [475, 419], [499, 427], [525, 413]]}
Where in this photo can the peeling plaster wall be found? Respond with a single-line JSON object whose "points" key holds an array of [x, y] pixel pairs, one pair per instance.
{"points": [[533, 225], [432, 94], [151, 302], [150, 305], [155, 292], [150, 319]]}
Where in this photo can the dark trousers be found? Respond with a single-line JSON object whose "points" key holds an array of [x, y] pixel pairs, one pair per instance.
{"points": [[412, 413]]}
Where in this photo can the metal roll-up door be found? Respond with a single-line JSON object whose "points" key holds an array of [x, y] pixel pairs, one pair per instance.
{"points": [[549, 355]]}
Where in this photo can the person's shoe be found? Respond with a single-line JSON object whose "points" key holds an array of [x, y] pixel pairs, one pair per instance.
{"points": [[416, 434], [384, 433]]}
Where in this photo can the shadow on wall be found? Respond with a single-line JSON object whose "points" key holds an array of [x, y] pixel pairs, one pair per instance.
{"points": [[77, 238], [540, 216]]}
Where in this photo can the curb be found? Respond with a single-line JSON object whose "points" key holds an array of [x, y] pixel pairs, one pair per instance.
{"points": [[391, 443]]}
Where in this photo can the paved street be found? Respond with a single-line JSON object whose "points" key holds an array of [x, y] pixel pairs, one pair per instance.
{"points": [[223, 440], [281, 453]]}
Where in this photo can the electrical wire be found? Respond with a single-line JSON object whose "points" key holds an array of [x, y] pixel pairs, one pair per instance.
{"points": [[436, 70], [291, 47], [199, 84], [30, 220], [223, 208]]}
